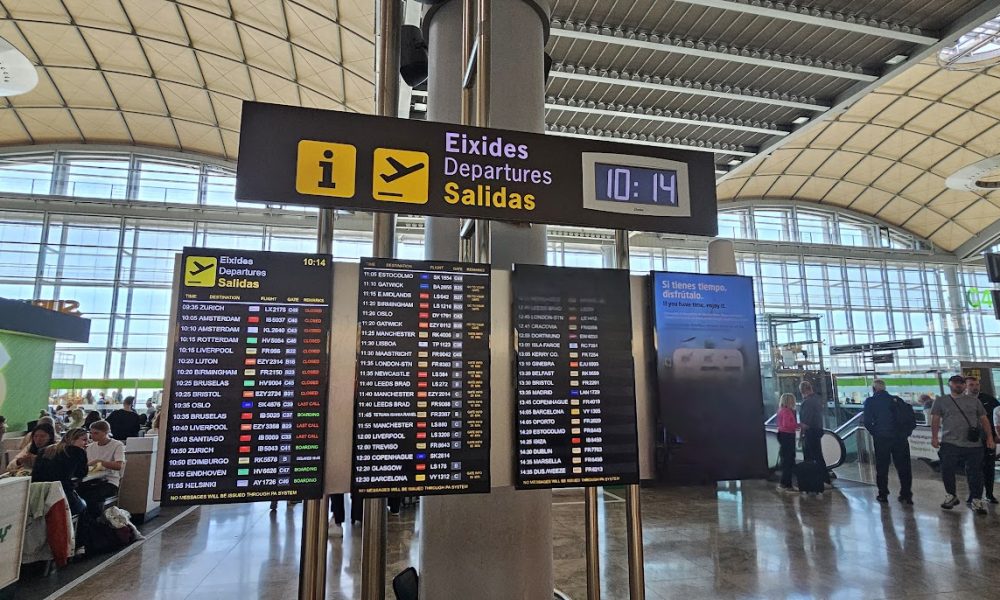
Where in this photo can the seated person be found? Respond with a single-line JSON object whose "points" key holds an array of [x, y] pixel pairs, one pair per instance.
{"points": [[109, 453], [33, 425], [92, 417], [41, 437], [65, 462]]}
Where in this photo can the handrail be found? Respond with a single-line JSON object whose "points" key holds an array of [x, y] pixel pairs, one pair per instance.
{"points": [[850, 422]]}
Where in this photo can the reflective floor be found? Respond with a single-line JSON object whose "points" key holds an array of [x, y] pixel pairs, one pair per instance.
{"points": [[743, 541]]}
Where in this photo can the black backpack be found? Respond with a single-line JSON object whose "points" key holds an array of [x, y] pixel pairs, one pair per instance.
{"points": [[903, 416]]}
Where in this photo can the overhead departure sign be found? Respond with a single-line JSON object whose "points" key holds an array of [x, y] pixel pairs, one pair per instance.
{"points": [[575, 403], [249, 377], [421, 412], [357, 162]]}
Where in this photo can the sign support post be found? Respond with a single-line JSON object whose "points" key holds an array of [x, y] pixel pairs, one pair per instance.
{"points": [[374, 521], [312, 560], [633, 508], [593, 551], [482, 94]]}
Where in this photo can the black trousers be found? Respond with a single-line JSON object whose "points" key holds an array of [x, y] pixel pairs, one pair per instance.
{"points": [[787, 455], [989, 471], [951, 455], [812, 448], [357, 508], [95, 493], [896, 451]]}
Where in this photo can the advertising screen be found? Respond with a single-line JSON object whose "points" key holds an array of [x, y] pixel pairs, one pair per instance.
{"points": [[249, 377], [711, 405], [575, 414], [421, 412]]}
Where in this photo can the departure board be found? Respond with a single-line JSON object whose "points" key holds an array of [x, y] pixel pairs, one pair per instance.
{"points": [[575, 400], [421, 416], [250, 377]]}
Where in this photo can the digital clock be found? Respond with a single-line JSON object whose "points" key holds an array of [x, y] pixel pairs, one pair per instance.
{"points": [[314, 262], [637, 185]]}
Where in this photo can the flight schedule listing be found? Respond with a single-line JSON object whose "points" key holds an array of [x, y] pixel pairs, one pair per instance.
{"points": [[249, 377], [575, 381], [421, 416]]}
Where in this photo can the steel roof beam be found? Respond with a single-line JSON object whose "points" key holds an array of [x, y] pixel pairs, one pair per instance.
{"points": [[603, 38], [825, 18], [613, 138], [662, 119], [677, 89]]}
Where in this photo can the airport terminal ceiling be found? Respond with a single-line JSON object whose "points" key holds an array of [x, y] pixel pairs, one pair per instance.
{"points": [[837, 102]]}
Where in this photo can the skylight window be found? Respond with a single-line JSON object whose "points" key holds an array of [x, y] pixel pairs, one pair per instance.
{"points": [[976, 49]]}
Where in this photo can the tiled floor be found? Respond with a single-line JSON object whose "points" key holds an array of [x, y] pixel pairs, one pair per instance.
{"points": [[743, 541]]}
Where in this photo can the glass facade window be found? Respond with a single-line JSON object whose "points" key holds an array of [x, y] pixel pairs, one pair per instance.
{"points": [[871, 283]]}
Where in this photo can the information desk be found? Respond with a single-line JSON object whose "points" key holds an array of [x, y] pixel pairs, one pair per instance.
{"points": [[575, 380], [249, 377], [421, 415]]}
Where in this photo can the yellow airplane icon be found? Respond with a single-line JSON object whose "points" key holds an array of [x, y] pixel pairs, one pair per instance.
{"points": [[199, 271], [400, 176]]}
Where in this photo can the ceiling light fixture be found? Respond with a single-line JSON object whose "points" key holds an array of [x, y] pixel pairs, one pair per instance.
{"points": [[17, 74], [800, 120], [735, 162], [895, 60]]}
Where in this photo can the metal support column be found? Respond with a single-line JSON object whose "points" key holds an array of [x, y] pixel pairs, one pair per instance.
{"points": [[374, 520], [593, 551], [633, 508], [312, 566], [483, 71]]}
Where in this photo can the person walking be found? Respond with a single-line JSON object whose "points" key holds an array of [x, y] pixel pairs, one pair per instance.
{"points": [[990, 404], [890, 421], [787, 426], [958, 424], [811, 422]]}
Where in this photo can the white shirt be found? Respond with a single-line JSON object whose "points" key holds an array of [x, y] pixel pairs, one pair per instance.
{"points": [[113, 451]]}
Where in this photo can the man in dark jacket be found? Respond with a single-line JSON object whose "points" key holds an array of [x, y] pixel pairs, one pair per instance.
{"points": [[889, 432], [811, 420], [990, 454]]}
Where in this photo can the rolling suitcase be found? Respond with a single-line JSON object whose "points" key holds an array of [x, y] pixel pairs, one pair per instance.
{"points": [[811, 477]]}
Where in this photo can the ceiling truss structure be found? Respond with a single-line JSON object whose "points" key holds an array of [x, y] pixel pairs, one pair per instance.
{"points": [[173, 73], [744, 80]]}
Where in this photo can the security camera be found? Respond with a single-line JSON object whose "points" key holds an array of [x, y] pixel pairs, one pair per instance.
{"points": [[412, 56]]}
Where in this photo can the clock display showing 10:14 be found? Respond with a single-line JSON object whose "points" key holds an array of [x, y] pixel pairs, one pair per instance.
{"points": [[637, 185]]}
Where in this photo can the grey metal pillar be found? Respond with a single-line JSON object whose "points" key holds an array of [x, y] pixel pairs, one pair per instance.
{"points": [[312, 560], [374, 523], [496, 546], [958, 314]]}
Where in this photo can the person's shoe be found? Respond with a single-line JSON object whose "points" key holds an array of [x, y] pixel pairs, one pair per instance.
{"points": [[992, 500], [979, 507], [828, 486], [950, 502], [274, 505], [906, 500]]}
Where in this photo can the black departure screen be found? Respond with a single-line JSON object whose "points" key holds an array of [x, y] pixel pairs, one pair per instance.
{"points": [[250, 371], [575, 382], [421, 415]]}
